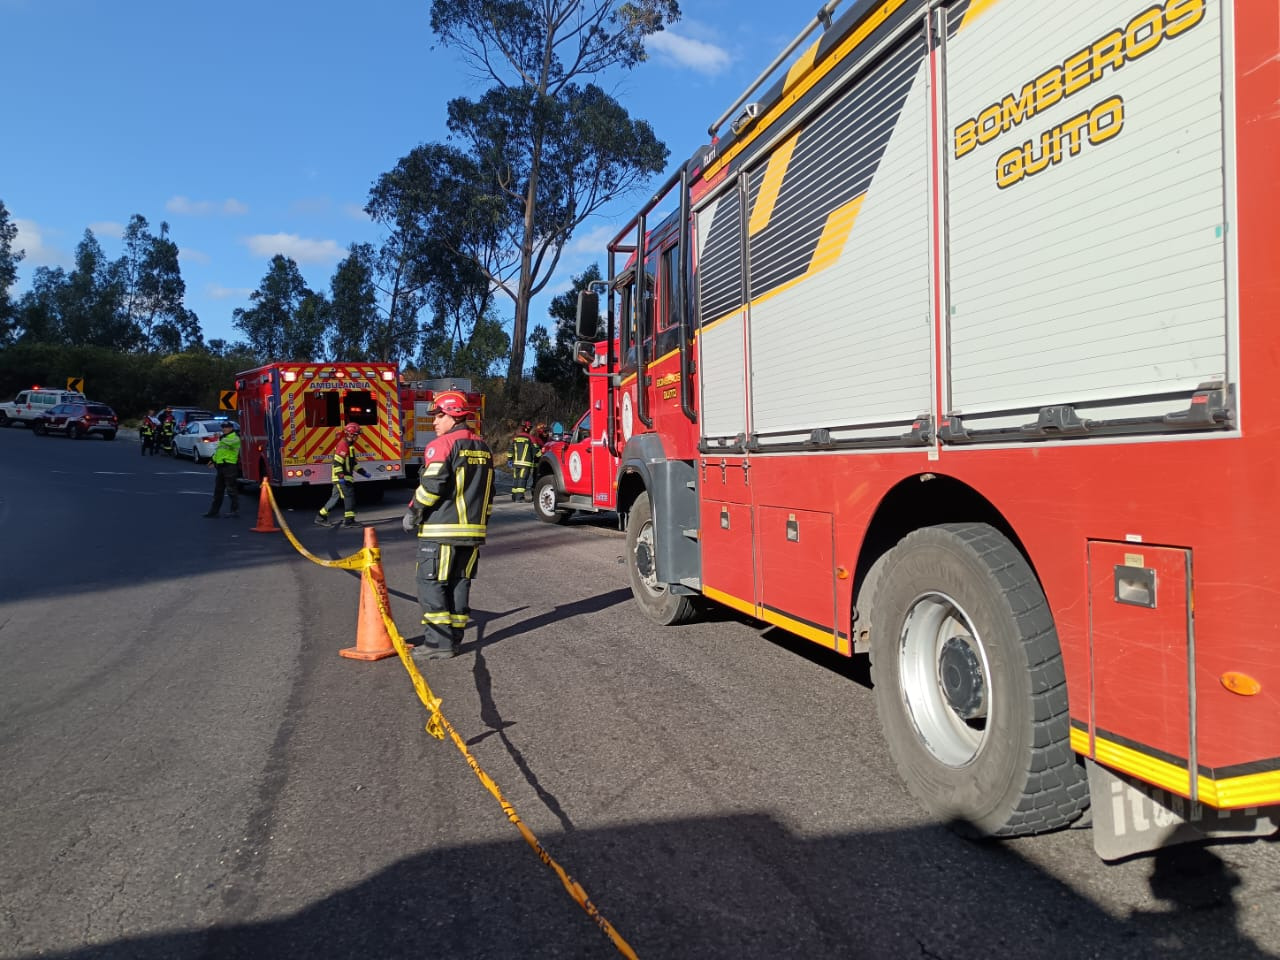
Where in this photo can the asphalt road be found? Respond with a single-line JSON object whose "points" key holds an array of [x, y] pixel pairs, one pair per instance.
{"points": [[190, 769]]}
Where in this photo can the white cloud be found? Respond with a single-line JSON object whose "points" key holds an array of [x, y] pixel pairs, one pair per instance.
{"points": [[192, 255], [592, 244], [218, 292], [697, 55], [201, 208], [30, 240], [354, 211], [107, 228], [301, 249]]}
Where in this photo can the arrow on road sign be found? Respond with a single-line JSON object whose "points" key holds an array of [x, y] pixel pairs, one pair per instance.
{"points": [[227, 400], [76, 384]]}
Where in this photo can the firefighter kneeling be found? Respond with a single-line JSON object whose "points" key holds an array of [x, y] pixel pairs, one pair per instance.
{"points": [[450, 514]]}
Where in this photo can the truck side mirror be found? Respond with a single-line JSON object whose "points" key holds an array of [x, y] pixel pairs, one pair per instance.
{"points": [[588, 314], [584, 352]]}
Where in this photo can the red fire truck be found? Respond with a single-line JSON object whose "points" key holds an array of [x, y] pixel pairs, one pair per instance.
{"points": [[959, 349], [292, 415], [418, 425], [579, 471]]}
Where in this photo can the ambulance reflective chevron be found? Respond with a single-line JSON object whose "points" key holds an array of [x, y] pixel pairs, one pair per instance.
{"points": [[958, 349], [291, 416]]}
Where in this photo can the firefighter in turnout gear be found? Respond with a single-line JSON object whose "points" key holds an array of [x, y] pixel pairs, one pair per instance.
{"points": [[522, 456], [344, 486], [450, 514], [168, 427], [147, 431]]}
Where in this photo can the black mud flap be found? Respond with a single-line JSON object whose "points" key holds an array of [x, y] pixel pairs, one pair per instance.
{"points": [[1131, 817]]}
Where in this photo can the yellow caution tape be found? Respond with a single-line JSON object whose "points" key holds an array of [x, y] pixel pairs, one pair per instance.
{"points": [[365, 560]]}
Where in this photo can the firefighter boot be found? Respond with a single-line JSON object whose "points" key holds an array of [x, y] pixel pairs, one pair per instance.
{"points": [[349, 522], [321, 520]]}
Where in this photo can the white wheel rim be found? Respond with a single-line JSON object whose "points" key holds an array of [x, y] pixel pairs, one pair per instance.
{"points": [[945, 679]]}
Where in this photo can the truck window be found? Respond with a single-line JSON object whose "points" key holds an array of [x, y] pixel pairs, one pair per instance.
{"points": [[332, 408]]}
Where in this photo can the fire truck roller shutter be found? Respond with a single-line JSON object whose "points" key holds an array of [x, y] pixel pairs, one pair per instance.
{"points": [[969, 684]]}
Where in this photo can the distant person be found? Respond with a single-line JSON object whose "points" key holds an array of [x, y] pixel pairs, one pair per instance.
{"points": [[450, 514], [344, 486], [168, 427], [147, 431], [226, 462], [521, 454]]}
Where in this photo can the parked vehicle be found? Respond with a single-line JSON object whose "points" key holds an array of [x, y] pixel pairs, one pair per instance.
{"points": [[198, 439], [76, 420], [578, 470], [30, 404], [417, 423], [958, 348], [184, 415], [292, 415]]}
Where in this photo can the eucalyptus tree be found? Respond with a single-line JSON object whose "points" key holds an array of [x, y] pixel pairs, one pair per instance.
{"points": [[286, 320], [9, 258], [544, 149]]}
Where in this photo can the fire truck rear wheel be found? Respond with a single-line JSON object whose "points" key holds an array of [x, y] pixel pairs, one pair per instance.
{"points": [[969, 684], [658, 603], [544, 501]]}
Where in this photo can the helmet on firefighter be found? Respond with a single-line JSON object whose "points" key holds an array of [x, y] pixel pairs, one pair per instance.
{"points": [[351, 429], [452, 404], [526, 425]]}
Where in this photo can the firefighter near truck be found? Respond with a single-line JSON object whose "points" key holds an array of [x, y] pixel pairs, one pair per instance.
{"points": [[958, 349], [292, 416]]}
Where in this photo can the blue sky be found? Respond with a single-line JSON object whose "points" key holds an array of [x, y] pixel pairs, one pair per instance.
{"points": [[256, 128]]}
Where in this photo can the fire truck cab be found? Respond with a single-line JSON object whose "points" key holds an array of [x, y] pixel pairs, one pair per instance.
{"points": [[579, 470]]}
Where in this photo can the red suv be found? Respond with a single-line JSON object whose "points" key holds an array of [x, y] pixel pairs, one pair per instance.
{"points": [[77, 420]]}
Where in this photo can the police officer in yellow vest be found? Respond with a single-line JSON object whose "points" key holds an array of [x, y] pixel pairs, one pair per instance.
{"points": [[226, 461]]}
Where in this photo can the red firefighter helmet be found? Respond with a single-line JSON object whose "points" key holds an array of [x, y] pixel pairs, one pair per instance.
{"points": [[351, 429], [452, 403]]}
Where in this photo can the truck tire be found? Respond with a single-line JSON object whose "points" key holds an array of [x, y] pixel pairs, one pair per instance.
{"points": [[544, 501], [4, 420], [658, 603], [969, 684]]}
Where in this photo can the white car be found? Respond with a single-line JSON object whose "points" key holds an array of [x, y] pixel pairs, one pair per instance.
{"points": [[198, 440]]}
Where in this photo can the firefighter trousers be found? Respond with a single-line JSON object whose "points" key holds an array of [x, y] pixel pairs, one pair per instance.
{"points": [[520, 480], [345, 491], [444, 576]]}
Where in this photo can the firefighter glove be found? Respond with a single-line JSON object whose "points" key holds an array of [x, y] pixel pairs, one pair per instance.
{"points": [[412, 519]]}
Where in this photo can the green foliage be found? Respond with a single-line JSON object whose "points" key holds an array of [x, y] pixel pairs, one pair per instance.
{"points": [[153, 289], [354, 306], [554, 362], [543, 152], [9, 258], [287, 320], [129, 383]]}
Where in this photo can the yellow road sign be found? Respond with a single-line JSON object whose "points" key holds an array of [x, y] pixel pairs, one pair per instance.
{"points": [[76, 384], [227, 400]]}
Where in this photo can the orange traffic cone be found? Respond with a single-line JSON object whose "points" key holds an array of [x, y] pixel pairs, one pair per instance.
{"points": [[266, 519], [373, 642]]}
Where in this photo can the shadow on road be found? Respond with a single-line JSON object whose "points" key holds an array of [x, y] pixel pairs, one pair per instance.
{"points": [[738, 887]]}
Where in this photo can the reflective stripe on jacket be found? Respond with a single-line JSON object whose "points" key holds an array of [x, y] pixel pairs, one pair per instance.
{"points": [[228, 449], [522, 453], [344, 461], [455, 488]]}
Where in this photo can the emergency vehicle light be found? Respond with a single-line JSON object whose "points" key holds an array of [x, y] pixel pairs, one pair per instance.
{"points": [[339, 374], [289, 376], [388, 375]]}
